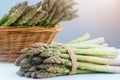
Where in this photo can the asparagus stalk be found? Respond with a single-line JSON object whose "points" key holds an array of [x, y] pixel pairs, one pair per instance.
{"points": [[55, 69], [99, 68], [6, 16], [51, 4], [84, 65], [93, 59], [51, 14], [43, 60], [83, 58], [49, 60], [101, 52], [98, 41], [60, 8], [30, 13], [46, 14], [86, 46], [69, 3], [56, 11], [96, 52], [22, 15], [80, 39], [14, 16], [45, 5], [41, 15], [68, 14], [56, 19]]}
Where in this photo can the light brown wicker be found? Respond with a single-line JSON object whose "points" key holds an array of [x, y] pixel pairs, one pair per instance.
{"points": [[12, 39]]}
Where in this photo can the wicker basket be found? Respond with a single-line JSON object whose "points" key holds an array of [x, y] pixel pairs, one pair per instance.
{"points": [[12, 39]]}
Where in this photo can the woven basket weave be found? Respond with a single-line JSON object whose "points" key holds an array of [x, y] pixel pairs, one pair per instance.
{"points": [[12, 39]]}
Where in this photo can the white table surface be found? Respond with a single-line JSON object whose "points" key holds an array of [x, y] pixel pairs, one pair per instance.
{"points": [[8, 72]]}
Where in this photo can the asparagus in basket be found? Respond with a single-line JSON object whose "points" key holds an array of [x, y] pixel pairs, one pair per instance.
{"points": [[53, 12], [64, 12], [29, 14], [49, 60], [45, 13], [40, 16], [57, 12], [6, 16], [18, 13]]}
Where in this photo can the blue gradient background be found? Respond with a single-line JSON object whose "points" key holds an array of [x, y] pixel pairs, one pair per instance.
{"points": [[97, 17]]}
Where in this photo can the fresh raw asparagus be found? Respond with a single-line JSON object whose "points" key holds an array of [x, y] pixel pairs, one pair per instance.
{"points": [[45, 5], [41, 15], [100, 51], [50, 15], [45, 13], [51, 4], [17, 14], [29, 14], [93, 59], [6, 16], [49, 60], [82, 38], [43, 60], [56, 12]]}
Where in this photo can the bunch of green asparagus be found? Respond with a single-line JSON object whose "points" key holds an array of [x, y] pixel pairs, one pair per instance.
{"points": [[44, 13], [49, 60]]}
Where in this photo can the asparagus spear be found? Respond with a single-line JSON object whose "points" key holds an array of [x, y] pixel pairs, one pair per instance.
{"points": [[54, 10], [56, 19], [80, 39], [54, 68], [69, 4], [100, 40], [51, 68], [45, 5], [101, 52], [29, 14], [93, 59], [86, 46], [42, 62], [51, 14], [46, 14], [84, 58], [6, 16], [20, 15], [51, 4], [49, 60], [69, 13], [99, 68], [96, 52], [83, 65], [40, 16], [14, 16], [61, 9]]}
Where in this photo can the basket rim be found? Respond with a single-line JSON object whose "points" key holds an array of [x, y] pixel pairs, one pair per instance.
{"points": [[57, 27]]}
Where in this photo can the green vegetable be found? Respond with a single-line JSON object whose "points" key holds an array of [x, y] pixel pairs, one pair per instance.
{"points": [[50, 60], [82, 38], [7, 15], [40, 16], [17, 14], [29, 14], [44, 13]]}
